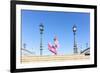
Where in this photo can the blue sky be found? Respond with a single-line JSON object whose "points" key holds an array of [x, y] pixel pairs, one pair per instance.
{"points": [[55, 23]]}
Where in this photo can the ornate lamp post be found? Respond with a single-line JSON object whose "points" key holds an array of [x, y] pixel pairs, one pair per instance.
{"points": [[41, 33], [24, 45], [75, 44]]}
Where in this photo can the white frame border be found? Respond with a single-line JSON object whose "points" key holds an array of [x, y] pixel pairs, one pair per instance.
{"points": [[50, 8]]}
